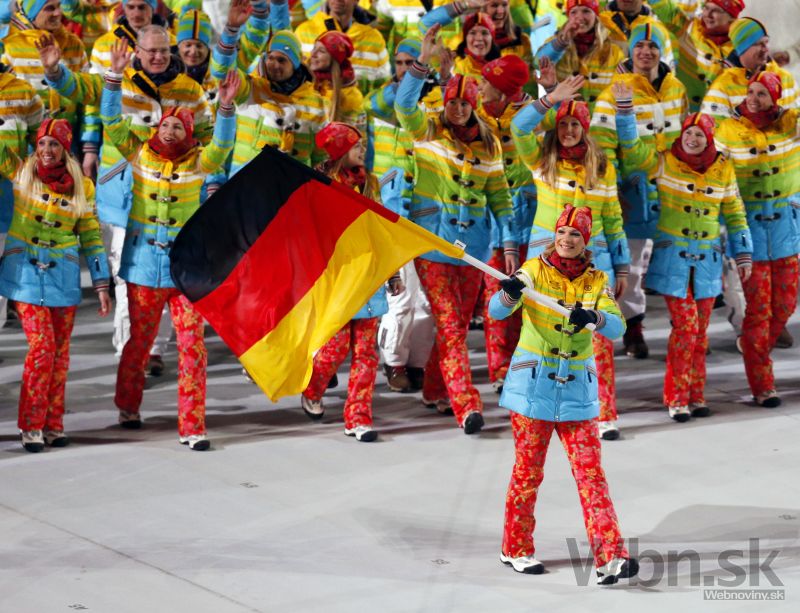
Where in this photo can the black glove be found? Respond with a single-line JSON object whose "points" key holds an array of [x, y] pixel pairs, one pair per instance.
{"points": [[513, 287], [580, 318]]}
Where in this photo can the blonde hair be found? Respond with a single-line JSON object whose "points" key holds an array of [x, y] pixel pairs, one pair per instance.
{"points": [[334, 111], [570, 63], [30, 183], [595, 161], [484, 131]]}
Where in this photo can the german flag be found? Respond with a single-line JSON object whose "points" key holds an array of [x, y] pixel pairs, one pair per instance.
{"points": [[281, 257]]}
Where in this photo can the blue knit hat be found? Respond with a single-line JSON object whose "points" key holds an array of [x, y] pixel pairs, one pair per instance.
{"points": [[745, 33], [32, 8], [194, 25], [412, 46], [153, 4], [647, 31], [286, 42]]}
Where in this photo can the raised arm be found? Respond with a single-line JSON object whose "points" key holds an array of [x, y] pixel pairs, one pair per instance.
{"points": [[633, 153], [82, 86], [216, 152], [117, 129], [406, 105]]}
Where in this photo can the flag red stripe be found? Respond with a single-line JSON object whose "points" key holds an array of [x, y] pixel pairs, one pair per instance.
{"points": [[281, 266]]}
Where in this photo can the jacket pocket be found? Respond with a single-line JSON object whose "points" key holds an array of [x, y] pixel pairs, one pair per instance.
{"points": [[423, 212]]}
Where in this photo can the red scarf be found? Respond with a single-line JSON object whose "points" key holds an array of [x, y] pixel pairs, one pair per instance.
{"points": [[495, 109], [171, 151], [348, 75], [466, 134], [762, 119], [575, 154], [571, 268], [56, 177], [699, 163], [480, 61], [502, 39], [354, 178], [719, 36], [584, 42]]}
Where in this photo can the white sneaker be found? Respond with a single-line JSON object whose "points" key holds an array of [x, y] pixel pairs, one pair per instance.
{"points": [[197, 442], [312, 408], [524, 564], [616, 569], [680, 413], [32, 440], [247, 376], [365, 434], [609, 431]]}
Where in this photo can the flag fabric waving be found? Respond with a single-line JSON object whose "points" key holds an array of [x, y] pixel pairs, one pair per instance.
{"points": [[281, 257]]}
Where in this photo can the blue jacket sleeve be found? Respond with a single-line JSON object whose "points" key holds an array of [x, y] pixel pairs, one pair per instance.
{"points": [[500, 306], [552, 49]]}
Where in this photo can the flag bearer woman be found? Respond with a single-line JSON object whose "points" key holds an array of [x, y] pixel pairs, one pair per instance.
{"points": [[168, 173], [53, 223], [552, 385], [695, 186], [459, 175], [335, 80], [346, 148]]}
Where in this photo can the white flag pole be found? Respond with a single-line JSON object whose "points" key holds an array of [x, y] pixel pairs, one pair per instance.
{"points": [[546, 301]]}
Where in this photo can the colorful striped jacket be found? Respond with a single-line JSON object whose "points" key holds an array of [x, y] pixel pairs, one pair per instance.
{"points": [[399, 19], [20, 115], [21, 55], [142, 111], [700, 60], [41, 260], [658, 119], [392, 147], [454, 182], [686, 244], [95, 18], [553, 376], [351, 104], [165, 192], [767, 164], [370, 59], [598, 66], [729, 89], [521, 186], [608, 243]]}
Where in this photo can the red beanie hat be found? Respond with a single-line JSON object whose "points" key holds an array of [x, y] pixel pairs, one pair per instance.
{"points": [[460, 86], [509, 74], [594, 5], [732, 7], [182, 113], [58, 129], [478, 19], [772, 82], [338, 45], [579, 218], [337, 139], [576, 109], [702, 121]]}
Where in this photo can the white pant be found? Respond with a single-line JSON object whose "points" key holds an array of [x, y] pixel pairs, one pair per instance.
{"points": [[634, 301], [733, 294], [3, 299], [113, 240], [406, 333]]}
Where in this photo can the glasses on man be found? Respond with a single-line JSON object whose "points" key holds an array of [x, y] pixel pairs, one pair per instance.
{"points": [[162, 51]]}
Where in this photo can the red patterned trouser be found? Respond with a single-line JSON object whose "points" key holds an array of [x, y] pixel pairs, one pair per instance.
{"points": [[145, 305], [771, 294], [685, 379], [452, 291], [606, 384], [44, 376], [360, 335], [582, 444], [502, 335]]}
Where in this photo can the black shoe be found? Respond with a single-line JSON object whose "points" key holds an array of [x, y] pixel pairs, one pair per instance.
{"points": [[416, 377], [55, 438], [617, 569], [397, 378], [473, 423], [633, 340], [155, 366], [769, 401], [699, 410], [130, 421], [334, 382]]}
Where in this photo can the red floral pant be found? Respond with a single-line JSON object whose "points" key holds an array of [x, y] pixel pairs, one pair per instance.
{"points": [[606, 384], [502, 335], [582, 444], [145, 305], [685, 379], [360, 335], [452, 292], [771, 294], [44, 375]]}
